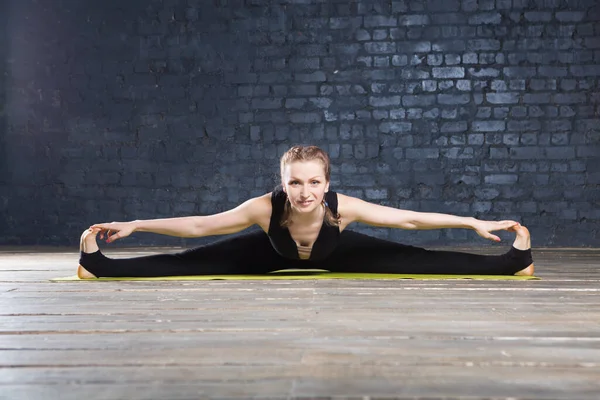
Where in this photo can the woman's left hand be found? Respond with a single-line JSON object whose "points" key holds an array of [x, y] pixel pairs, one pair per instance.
{"points": [[483, 228]]}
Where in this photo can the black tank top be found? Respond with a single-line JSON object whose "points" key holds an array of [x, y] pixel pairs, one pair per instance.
{"points": [[282, 240]]}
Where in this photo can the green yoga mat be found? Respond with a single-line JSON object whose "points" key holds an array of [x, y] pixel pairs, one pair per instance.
{"points": [[303, 274]]}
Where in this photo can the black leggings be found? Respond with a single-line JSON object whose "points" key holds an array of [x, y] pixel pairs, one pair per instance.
{"points": [[252, 253]]}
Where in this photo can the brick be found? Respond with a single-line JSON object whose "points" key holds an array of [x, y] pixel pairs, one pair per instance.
{"points": [[317, 76], [469, 5], [558, 125], [585, 70], [449, 19], [475, 138], [484, 72], [393, 127], [501, 112], [592, 43], [380, 20], [399, 6], [499, 86], [448, 72], [429, 86], [537, 84], [380, 47], [400, 60], [435, 59], [267, 104], [518, 112], [483, 44], [443, 5], [379, 75], [525, 153], [414, 47], [453, 99], [483, 112], [321, 102], [457, 153], [498, 153], [434, 113], [414, 113], [563, 152], [418, 100], [526, 125], [489, 126], [502, 98], [311, 50], [487, 193], [520, 72], [380, 34], [569, 16], [376, 194], [503, 4], [293, 103], [445, 85], [452, 59], [538, 16], [417, 153], [305, 118], [485, 18], [458, 126], [501, 179], [414, 19], [569, 98], [552, 71], [540, 98], [449, 45], [463, 85], [481, 206], [384, 101], [362, 35]]}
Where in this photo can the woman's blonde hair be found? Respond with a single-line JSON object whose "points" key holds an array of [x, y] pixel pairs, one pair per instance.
{"points": [[307, 153]]}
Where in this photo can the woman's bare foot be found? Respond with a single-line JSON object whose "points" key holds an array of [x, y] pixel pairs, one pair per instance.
{"points": [[523, 242], [87, 244]]}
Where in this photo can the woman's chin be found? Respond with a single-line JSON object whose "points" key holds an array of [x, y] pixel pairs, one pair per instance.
{"points": [[304, 208]]}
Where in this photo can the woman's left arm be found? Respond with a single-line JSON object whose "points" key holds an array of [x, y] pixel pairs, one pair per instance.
{"points": [[354, 209]]}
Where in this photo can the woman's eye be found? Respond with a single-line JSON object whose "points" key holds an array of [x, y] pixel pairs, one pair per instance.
{"points": [[315, 182]]}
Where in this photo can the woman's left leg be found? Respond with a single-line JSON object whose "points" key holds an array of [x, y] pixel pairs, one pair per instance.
{"points": [[362, 253]]}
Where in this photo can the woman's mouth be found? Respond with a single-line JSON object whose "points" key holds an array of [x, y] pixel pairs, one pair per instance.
{"points": [[304, 203]]}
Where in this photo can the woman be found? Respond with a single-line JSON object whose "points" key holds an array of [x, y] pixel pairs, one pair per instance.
{"points": [[303, 226]]}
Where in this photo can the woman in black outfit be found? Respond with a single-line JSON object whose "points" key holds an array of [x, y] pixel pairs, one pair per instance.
{"points": [[303, 226]]}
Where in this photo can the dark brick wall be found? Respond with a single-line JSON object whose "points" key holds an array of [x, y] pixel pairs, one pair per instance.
{"points": [[121, 110]]}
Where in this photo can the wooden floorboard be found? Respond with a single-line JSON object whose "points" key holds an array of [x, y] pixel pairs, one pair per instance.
{"points": [[286, 339]]}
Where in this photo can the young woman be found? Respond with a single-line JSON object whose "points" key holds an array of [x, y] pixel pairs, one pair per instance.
{"points": [[303, 226]]}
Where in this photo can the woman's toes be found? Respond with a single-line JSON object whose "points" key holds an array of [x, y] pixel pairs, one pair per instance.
{"points": [[88, 241], [522, 239]]}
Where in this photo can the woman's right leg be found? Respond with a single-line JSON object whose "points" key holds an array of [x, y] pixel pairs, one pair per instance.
{"points": [[249, 253], [357, 252]]}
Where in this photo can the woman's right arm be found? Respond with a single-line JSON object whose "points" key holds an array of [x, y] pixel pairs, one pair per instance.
{"points": [[254, 211]]}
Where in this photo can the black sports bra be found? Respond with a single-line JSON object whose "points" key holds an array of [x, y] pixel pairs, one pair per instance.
{"points": [[282, 241]]}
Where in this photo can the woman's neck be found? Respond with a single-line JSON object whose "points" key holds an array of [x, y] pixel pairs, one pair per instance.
{"points": [[314, 216]]}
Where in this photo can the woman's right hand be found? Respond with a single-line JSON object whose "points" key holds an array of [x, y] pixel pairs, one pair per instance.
{"points": [[119, 230]]}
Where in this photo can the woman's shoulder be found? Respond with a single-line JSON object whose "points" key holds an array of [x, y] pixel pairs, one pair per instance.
{"points": [[347, 205], [260, 209], [262, 202]]}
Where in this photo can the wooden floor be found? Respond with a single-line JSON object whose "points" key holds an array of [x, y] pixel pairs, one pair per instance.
{"points": [[285, 339]]}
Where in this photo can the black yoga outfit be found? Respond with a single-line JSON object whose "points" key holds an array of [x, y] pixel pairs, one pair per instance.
{"points": [[259, 253]]}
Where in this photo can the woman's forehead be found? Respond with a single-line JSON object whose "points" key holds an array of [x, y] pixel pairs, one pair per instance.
{"points": [[305, 168]]}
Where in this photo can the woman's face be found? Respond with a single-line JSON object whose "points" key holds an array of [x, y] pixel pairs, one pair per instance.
{"points": [[305, 184]]}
